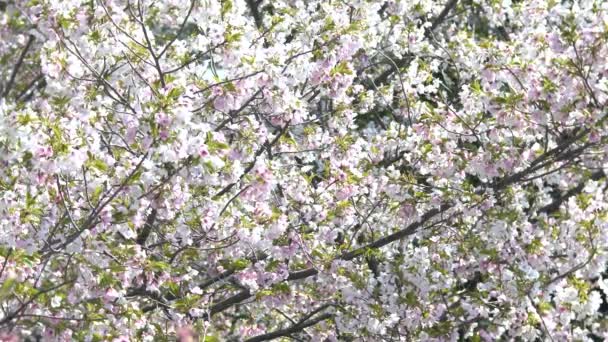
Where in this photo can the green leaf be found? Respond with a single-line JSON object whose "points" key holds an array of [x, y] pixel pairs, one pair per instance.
{"points": [[95, 36], [342, 69], [476, 87], [226, 7], [98, 164], [96, 193], [159, 265], [216, 145], [135, 177], [239, 264], [7, 288]]}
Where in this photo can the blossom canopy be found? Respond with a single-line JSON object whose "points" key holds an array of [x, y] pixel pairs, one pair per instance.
{"points": [[308, 170]]}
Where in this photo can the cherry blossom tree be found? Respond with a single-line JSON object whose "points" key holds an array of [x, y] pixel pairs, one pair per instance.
{"points": [[307, 170]]}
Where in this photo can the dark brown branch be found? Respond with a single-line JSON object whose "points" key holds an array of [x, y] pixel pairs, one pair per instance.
{"points": [[145, 231], [309, 272], [11, 81], [230, 301], [24, 305], [30, 86], [441, 17], [217, 278], [168, 177], [180, 30], [405, 60], [228, 81], [251, 165], [196, 57], [245, 294], [90, 221], [233, 113], [255, 12], [558, 153], [291, 330], [409, 230], [554, 206], [8, 255], [150, 48]]}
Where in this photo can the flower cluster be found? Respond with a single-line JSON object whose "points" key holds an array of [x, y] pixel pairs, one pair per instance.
{"points": [[323, 170]]}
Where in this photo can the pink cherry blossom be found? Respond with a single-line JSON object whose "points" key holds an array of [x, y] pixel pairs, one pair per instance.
{"points": [[315, 170]]}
